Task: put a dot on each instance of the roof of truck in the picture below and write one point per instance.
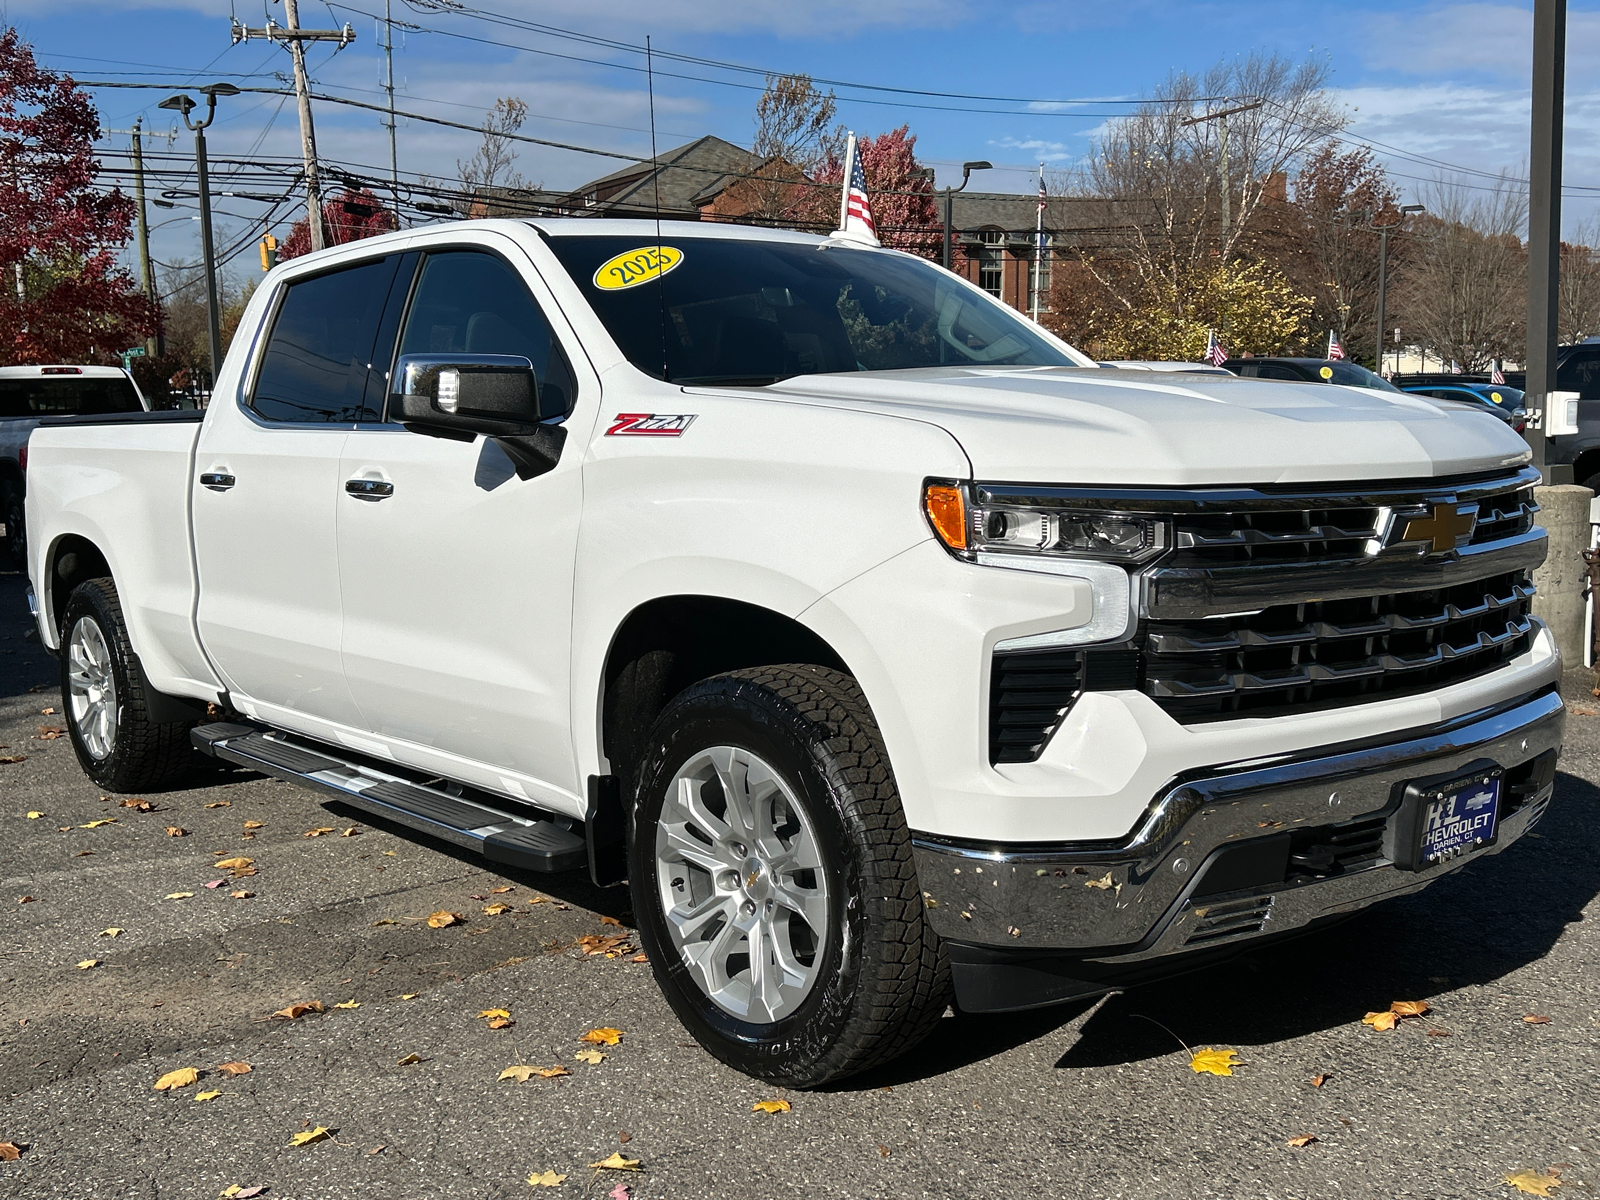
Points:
(609, 227)
(33, 372)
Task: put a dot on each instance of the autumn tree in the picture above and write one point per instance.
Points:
(1580, 286)
(63, 297)
(903, 207)
(795, 136)
(353, 214)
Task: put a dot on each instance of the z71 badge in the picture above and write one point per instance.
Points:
(650, 424)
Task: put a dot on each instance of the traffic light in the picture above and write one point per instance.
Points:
(269, 252)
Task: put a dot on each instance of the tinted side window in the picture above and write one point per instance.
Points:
(472, 302)
(51, 395)
(1273, 371)
(317, 360)
(1581, 373)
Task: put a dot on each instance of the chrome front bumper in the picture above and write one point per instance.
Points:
(1148, 895)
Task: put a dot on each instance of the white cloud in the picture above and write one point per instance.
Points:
(1460, 40)
(1037, 148)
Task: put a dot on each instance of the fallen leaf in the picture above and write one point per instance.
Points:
(611, 921)
(1103, 883)
(87, 963)
(242, 1193)
(318, 832)
(883, 1151)
(255, 824)
(1409, 1008)
(27, 899)
(770, 1106)
(410, 995)
(49, 733)
(1214, 1062)
(100, 822)
(602, 1036)
(182, 1077)
(349, 1004)
(443, 919)
(34, 815)
(235, 1068)
(136, 804)
(621, 1192)
(640, 958)
(491, 1013)
(114, 931)
(242, 895)
(179, 895)
(546, 1179)
(616, 1163)
(47, 712)
(494, 910)
(377, 1149)
(390, 854)
(522, 1074)
(500, 891)
(592, 1057)
(1438, 1033)
(299, 1009)
(624, 1137)
(306, 1137)
(177, 831)
(1535, 1019)
(8, 759)
(540, 900)
(1318, 1080)
(1380, 1021)
(220, 804)
(83, 854)
(233, 864)
(501, 1023)
(202, 1097)
(1303, 1140)
(213, 884)
(11, 1151)
(1533, 1183)
(409, 1060)
(353, 831)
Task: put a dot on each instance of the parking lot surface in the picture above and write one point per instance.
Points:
(402, 1071)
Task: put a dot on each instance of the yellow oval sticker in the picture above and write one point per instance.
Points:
(1326, 372)
(633, 267)
(1497, 397)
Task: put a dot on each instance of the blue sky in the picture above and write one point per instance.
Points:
(1446, 82)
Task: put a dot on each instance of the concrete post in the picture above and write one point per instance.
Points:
(1564, 513)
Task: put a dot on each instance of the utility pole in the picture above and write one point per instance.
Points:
(147, 275)
(1227, 178)
(296, 38)
(1383, 270)
(183, 104)
(1544, 218)
(388, 86)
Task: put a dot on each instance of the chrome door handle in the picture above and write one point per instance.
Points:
(369, 489)
(217, 481)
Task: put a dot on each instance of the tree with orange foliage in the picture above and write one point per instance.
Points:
(348, 217)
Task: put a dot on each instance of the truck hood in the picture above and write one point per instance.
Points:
(1093, 425)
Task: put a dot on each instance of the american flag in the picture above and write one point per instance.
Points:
(1041, 190)
(857, 206)
(1335, 349)
(1496, 376)
(1215, 354)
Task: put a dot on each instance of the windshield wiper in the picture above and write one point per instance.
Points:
(731, 380)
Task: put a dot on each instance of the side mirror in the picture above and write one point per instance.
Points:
(461, 395)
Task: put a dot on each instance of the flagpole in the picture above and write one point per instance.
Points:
(844, 190)
(1038, 248)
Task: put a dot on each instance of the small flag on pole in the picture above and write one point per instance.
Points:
(1496, 375)
(1335, 348)
(855, 210)
(1215, 354)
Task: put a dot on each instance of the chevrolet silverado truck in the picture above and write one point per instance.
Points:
(894, 653)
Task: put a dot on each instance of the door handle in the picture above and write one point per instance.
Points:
(369, 489)
(217, 481)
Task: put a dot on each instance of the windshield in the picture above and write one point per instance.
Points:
(1354, 375)
(752, 312)
(48, 395)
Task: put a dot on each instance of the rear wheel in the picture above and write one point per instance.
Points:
(104, 697)
(772, 877)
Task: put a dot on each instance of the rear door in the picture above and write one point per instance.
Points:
(264, 498)
(457, 574)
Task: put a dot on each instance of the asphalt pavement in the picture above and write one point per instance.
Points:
(1087, 1100)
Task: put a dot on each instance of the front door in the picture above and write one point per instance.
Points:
(456, 574)
(267, 483)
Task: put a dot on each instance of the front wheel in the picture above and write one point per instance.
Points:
(772, 876)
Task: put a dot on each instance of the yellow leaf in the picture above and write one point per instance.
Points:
(592, 1057)
(501, 1023)
(1214, 1062)
(177, 831)
(409, 1060)
(11, 1151)
(603, 1036)
(1380, 1020)
(546, 1179)
(87, 963)
(35, 815)
(410, 995)
(523, 1073)
(182, 1077)
(255, 824)
(234, 864)
(1532, 1183)
(114, 931)
(220, 804)
(390, 854)
(500, 891)
(353, 831)
(349, 1004)
(179, 895)
(1104, 884)
(306, 1137)
(318, 832)
(241, 895)
(770, 1106)
(444, 918)
(202, 1097)
(1303, 1140)
(1409, 1008)
(494, 1012)
(97, 824)
(235, 1068)
(494, 910)
(616, 1163)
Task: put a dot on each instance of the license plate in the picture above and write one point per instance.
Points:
(1460, 820)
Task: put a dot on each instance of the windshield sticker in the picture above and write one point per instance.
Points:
(633, 267)
(650, 424)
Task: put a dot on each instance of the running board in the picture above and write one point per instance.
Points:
(451, 811)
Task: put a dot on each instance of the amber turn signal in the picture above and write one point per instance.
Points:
(947, 513)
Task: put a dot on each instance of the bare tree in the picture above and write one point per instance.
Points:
(795, 134)
(1580, 285)
(1464, 292)
(490, 171)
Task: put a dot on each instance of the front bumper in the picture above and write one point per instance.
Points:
(1224, 856)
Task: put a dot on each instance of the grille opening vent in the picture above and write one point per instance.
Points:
(1029, 693)
(1229, 918)
(1335, 849)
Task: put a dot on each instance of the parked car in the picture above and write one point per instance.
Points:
(1309, 370)
(30, 393)
(1503, 402)
(892, 651)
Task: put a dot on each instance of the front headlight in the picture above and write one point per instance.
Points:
(972, 520)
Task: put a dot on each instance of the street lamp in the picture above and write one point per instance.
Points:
(183, 104)
(1383, 269)
(949, 200)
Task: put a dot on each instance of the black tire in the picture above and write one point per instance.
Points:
(881, 978)
(141, 755)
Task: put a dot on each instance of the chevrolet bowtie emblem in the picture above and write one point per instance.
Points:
(1447, 525)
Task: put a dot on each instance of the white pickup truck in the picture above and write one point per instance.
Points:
(895, 653)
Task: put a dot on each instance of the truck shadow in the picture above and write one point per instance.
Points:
(1474, 927)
